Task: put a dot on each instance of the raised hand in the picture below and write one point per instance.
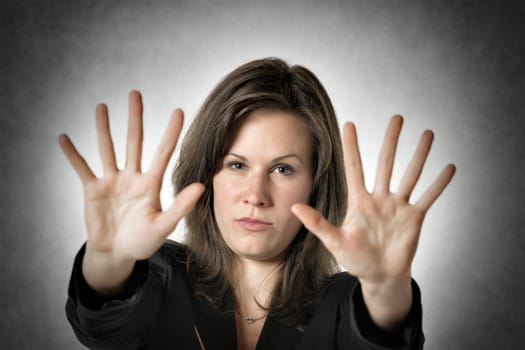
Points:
(124, 218)
(379, 235)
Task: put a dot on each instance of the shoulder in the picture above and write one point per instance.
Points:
(170, 250)
(340, 283)
(338, 290)
(170, 259)
(175, 249)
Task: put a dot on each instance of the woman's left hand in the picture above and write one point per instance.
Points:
(378, 238)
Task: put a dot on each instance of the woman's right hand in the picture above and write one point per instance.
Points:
(124, 218)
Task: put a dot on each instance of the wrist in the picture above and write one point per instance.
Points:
(388, 301)
(383, 288)
(104, 272)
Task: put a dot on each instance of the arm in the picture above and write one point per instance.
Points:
(124, 320)
(378, 238)
(366, 334)
(124, 218)
(154, 310)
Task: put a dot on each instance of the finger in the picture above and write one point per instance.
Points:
(105, 143)
(435, 190)
(135, 132)
(415, 167)
(318, 225)
(352, 158)
(387, 155)
(75, 159)
(183, 204)
(167, 144)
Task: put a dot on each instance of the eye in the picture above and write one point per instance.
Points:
(283, 169)
(235, 165)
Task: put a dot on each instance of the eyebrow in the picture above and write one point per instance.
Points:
(278, 159)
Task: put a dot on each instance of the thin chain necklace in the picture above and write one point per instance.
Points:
(251, 320)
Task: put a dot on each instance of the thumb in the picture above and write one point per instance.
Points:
(318, 225)
(181, 206)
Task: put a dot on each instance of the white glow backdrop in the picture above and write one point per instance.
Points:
(453, 68)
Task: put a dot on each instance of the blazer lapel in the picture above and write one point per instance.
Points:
(276, 335)
(216, 329)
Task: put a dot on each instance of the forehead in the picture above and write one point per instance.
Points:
(272, 132)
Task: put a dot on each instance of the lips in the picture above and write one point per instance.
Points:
(254, 224)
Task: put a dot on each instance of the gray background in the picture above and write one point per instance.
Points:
(452, 66)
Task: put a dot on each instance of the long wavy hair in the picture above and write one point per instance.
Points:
(262, 84)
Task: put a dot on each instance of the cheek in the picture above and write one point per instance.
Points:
(291, 196)
(223, 194)
(217, 197)
(298, 193)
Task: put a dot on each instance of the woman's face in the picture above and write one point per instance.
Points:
(267, 169)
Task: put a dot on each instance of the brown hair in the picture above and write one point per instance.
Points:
(266, 83)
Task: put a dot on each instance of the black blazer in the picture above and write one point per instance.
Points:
(157, 311)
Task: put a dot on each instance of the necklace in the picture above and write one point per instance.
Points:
(251, 320)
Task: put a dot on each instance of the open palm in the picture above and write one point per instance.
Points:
(378, 238)
(123, 213)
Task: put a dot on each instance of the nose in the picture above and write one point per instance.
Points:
(256, 193)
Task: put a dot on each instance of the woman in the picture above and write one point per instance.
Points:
(272, 207)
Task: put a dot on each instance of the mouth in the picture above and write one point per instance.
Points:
(254, 224)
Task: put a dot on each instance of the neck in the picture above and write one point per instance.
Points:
(256, 282)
